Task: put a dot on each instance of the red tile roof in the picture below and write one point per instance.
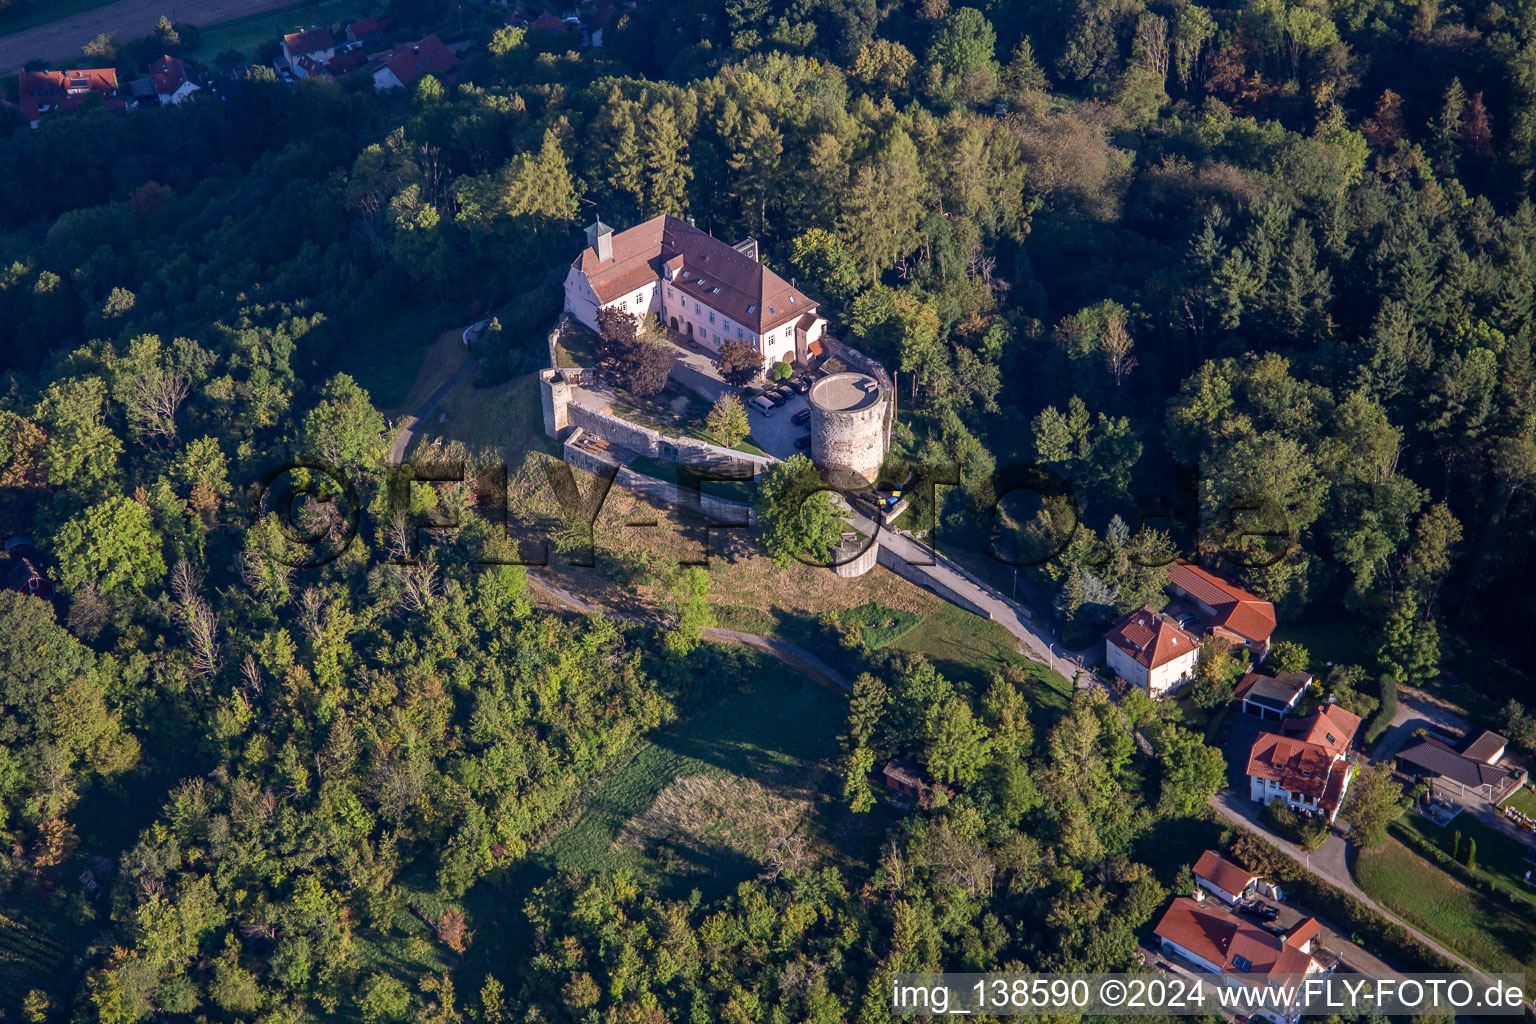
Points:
(1219, 871)
(427, 57)
(311, 40)
(1151, 638)
(169, 74)
(1220, 937)
(1307, 755)
(703, 267)
(1236, 610)
(41, 91)
(365, 27)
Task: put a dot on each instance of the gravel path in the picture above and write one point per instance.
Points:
(131, 19)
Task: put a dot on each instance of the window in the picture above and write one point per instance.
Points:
(1242, 963)
(791, 300)
(711, 317)
(696, 309)
(738, 334)
(669, 291)
(772, 311)
(751, 309)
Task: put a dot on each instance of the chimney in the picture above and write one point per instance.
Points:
(600, 237)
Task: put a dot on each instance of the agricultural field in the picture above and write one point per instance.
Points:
(42, 13)
(1490, 936)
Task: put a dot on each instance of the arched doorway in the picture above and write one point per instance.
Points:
(674, 323)
(690, 328)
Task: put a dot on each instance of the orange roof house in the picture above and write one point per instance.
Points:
(1224, 879)
(39, 92)
(1227, 608)
(697, 284)
(410, 61)
(1307, 763)
(1148, 649)
(1214, 939)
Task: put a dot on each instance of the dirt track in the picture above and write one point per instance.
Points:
(61, 40)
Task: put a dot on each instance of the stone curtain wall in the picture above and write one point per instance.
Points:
(614, 430)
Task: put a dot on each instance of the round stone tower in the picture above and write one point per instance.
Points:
(848, 428)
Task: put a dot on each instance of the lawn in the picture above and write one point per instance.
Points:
(42, 13)
(506, 418)
(687, 809)
(249, 33)
(1329, 639)
(1524, 801)
(1499, 857)
(879, 625)
(968, 648)
(1490, 936)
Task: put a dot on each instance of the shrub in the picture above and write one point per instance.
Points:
(1385, 712)
(782, 371)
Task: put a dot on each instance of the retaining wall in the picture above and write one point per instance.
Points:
(919, 575)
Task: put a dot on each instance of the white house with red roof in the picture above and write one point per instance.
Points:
(697, 285)
(1224, 879)
(1148, 649)
(315, 45)
(1213, 939)
(409, 62)
(172, 85)
(1226, 609)
(1307, 764)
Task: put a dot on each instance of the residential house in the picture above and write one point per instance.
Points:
(1307, 763)
(700, 287)
(544, 21)
(1225, 609)
(169, 75)
(907, 780)
(598, 22)
(1216, 940)
(22, 569)
(41, 92)
(315, 45)
(368, 30)
(1150, 650)
(1271, 698)
(1223, 879)
(410, 61)
(1472, 768)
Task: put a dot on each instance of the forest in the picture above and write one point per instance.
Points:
(1265, 255)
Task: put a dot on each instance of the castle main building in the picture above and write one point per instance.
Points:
(697, 285)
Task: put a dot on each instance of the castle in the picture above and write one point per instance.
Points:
(697, 285)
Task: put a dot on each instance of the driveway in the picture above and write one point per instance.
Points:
(1416, 710)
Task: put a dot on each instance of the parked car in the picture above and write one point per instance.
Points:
(802, 442)
(801, 418)
(1262, 911)
(801, 385)
(762, 404)
(776, 397)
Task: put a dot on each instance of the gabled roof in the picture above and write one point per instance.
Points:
(1484, 747)
(169, 74)
(702, 267)
(40, 91)
(1277, 692)
(1435, 757)
(1308, 755)
(363, 27)
(428, 57)
(1151, 638)
(311, 40)
(1219, 871)
(1216, 935)
(1330, 727)
(1236, 610)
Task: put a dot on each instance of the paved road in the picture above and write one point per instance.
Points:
(410, 423)
(1330, 862)
(1013, 617)
(62, 40)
